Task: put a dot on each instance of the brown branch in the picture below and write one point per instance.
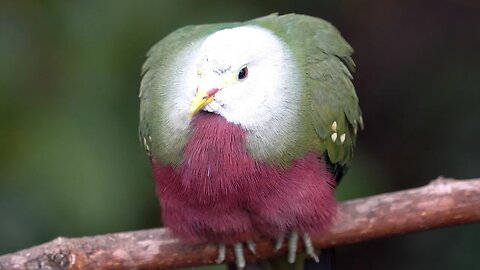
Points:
(444, 202)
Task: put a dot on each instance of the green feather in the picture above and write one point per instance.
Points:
(154, 71)
(328, 95)
(324, 58)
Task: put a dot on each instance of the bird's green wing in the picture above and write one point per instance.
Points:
(159, 67)
(331, 105)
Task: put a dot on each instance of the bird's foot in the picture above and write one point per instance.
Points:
(238, 251)
(293, 243)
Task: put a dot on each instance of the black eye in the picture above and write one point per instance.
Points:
(242, 74)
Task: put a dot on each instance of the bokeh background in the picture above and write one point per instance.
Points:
(71, 164)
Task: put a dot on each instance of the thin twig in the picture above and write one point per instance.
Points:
(444, 202)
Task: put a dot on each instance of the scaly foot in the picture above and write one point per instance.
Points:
(238, 251)
(293, 243)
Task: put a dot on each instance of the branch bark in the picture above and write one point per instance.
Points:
(444, 202)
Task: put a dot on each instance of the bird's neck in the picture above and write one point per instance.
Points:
(215, 156)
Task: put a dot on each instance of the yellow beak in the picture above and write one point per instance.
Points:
(201, 100)
(206, 90)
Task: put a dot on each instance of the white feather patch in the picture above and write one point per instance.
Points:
(266, 103)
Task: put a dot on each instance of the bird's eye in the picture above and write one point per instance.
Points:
(242, 74)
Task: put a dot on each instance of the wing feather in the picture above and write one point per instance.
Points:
(325, 59)
(155, 71)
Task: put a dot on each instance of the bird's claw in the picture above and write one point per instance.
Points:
(221, 253)
(237, 251)
(293, 243)
(279, 243)
(309, 249)
(251, 246)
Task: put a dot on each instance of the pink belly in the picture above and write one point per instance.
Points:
(220, 194)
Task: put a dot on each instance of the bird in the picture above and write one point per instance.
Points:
(248, 127)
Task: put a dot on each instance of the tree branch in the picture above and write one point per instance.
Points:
(444, 202)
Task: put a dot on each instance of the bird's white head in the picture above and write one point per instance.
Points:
(245, 74)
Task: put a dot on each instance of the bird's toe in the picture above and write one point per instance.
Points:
(239, 258)
(293, 246)
(221, 253)
(309, 249)
(237, 251)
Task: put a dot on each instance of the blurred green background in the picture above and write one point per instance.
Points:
(71, 164)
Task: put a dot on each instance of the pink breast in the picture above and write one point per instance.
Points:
(220, 194)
